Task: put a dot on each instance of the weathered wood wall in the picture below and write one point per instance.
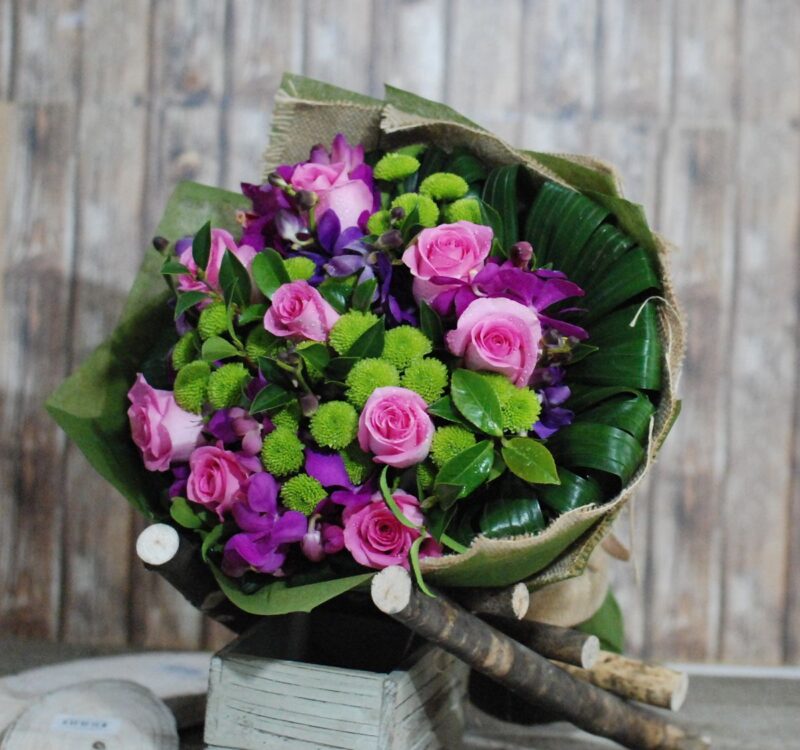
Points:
(105, 104)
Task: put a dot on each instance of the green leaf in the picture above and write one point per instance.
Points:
(498, 467)
(274, 373)
(513, 511)
(627, 355)
(172, 267)
(252, 313)
(583, 396)
(216, 348)
(530, 460)
(559, 224)
(211, 539)
(469, 469)
(338, 368)
(586, 445)
(315, 356)
(433, 160)
(490, 218)
(604, 248)
(445, 409)
(234, 280)
(369, 343)
(201, 245)
(337, 292)
(476, 401)
(188, 300)
(413, 555)
(388, 498)
(430, 323)
(470, 167)
(500, 192)
(270, 397)
(269, 272)
(184, 515)
(362, 296)
(280, 598)
(629, 413)
(607, 624)
(574, 491)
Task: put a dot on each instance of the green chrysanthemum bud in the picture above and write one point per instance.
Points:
(213, 321)
(425, 476)
(520, 410)
(191, 386)
(444, 186)
(289, 417)
(349, 328)
(226, 384)
(464, 209)
(260, 343)
(357, 464)
(428, 377)
(302, 493)
(299, 268)
(404, 345)
(428, 210)
(282, 452)
(448, 442)
(393, 167)
(366, 376)
(334, 424)
(185, 351)
(379, 222)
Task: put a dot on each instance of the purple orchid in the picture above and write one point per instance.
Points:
(552, 393)
(266, 532)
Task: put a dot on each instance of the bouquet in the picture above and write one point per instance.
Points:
(411, 345)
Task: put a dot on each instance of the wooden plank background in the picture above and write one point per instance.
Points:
(105, 104)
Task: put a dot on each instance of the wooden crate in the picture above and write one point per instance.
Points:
(333, 682)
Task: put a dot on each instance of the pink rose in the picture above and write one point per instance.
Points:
(455, 251)
(340, 185)
(299, 311)
(162, 431)
(217, 479)
(499, 335)
(220, 241)
(395, 427)
(376, 539)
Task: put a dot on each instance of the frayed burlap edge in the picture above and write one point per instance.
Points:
(299, 124)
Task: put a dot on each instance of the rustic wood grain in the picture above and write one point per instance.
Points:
(698, 104)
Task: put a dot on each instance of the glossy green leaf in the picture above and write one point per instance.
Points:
(586, 445)
(184, 515)
(274, 373)
(363, 293)
(500, 192)
(188, 300)
(604, 248)
(629, 413)
(491, 218)
(468, 166)
(469, 469)
(607, 624)
(211, 539)
(585, 396)
(430, 323)
(433, 160)
(574, 491)
(270, 397)
(338, 368)
(252, 313)
(444, 408)
(628, 355)
(337, 292)
(514, 511)
(369, 343)
(201, 245)
(559, 224)
(234, 280)
(173, 267)
(476, 401)
(530, 460)
(316, 356)
(269, 272)
(413, 556)
(216, 348)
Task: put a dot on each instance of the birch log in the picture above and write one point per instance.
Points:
(524, 672)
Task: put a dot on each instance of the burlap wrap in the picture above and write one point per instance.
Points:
(307, 113)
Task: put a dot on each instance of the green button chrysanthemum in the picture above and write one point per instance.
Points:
(334, 424)
(379, 223)
(185, 350)
(428, 210)
(444, 186)
(299, 268)
(282, 452)
(213, 320)
(347, 330)
(302, 493)
(464, 209)
(428, 377)
(357, 464)
(366, 376)
(448, 442)
(404, 345)
(260, 343)
(226, 384)
(191, 386)
(393, 167)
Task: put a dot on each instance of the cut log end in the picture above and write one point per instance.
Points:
(157, 544)
(391, 590)
(590, 652)
(520, 600)
(679, 694)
